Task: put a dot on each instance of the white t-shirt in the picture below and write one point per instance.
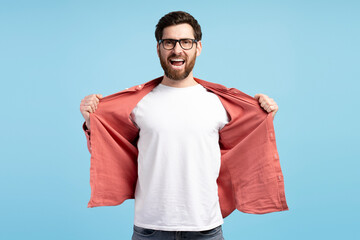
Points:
(179, 159)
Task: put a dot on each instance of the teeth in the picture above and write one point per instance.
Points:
(177, 60)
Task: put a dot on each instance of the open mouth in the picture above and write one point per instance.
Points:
(177, 62)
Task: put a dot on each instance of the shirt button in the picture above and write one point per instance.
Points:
(139, 87)
(272, 136)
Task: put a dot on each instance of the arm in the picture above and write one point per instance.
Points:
(89, 105)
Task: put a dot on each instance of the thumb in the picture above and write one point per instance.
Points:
(257, 96)
(99, 96)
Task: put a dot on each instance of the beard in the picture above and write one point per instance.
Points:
(174, 74)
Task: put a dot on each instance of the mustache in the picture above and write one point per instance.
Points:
(177, 56)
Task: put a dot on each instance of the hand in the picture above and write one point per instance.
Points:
(89, 105)
(268, 104)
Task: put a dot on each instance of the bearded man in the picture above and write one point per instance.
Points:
(188, 151)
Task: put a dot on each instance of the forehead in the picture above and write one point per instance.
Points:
(183, 30)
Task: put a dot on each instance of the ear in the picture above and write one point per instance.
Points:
(158, 49)
(198, 48)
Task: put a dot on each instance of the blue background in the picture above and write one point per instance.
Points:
(304, 54)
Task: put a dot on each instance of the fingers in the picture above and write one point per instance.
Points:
(267, 103)
(90, 103)
(257, 96)
(87, 109)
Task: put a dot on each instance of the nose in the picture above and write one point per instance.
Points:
(177, 48)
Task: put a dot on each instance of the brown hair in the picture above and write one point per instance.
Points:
(175, 18)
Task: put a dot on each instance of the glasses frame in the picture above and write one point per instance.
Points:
(175, 41)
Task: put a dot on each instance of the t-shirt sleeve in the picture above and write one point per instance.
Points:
(133, 117)
(224, 119)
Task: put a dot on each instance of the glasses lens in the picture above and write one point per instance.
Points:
(168, 44)
(186, 43)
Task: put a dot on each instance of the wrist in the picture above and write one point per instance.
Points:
(87, 124)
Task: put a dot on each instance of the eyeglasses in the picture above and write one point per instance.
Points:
(185, 44)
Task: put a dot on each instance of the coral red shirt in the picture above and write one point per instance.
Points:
(250, 178)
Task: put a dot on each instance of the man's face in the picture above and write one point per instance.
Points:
(169, 59)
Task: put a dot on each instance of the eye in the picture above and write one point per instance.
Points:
(186, 43)
(168, 42)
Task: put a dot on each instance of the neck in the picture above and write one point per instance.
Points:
(186, 82)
